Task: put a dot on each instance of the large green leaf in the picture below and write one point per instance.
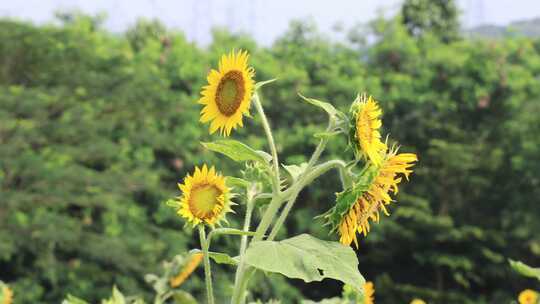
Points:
(308, 258)
(237, 151)
(525, 269)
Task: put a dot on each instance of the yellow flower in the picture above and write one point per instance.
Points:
(192, 263)
(227, 97)
(418, 301)
(528, 296)
(367, 122)
(382, 181)
(7, 295)
(205, 197)
(369, 293)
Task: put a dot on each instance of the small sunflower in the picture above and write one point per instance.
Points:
(7, 295)
(369, 293)
(192, 263)
(418, 301)
(227, 97)
(356, 206)
(205, 197)
(528, 296)
(365, 134)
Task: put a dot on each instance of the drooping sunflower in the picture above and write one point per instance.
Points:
(365, 134)
(369, 293)
(361, 203)
(205, 197)
(193, 261)
(528, 296)
(227, 97)
(6, 295)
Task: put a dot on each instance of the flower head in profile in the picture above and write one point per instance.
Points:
(227, 97)
(369, 293)
(6, 295)
(189, 266)
(357, 206)
(365, 135)
(205, 197)
(528, 296)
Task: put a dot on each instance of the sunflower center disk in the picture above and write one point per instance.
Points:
(230, 93)
(203, 200)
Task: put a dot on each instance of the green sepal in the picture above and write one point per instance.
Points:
(260, 84)
(346, 199)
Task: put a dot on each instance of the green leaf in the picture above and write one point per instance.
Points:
(237, 151)
(236, 182)
(218, 257)
(260, 84)
(329, 108)
(73, 300)
(308, 258)
(525, 269)
(182, 297)
(295, 170)
(232, 231)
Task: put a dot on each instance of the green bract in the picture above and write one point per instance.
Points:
(346, 199)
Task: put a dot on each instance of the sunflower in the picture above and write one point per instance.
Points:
(205, 197)
(365, 134)
(528, 296)
(418, 301)
(227, 97)
(356, 206)
(6, 295)
(192, 263)
(369, 293)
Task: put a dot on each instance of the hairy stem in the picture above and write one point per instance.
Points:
(243, 245)
(308, 178)
(270, 138)
(207, 271)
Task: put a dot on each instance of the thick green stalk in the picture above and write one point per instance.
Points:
(243, 245)
(308, 178)
(270, 138)
(206, 260)
(240, 278)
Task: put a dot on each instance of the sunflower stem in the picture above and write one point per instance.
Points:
(308, 178)
(270, 138)
(207, 271)
(243, 245)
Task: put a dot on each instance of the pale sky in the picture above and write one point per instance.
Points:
(265, 20)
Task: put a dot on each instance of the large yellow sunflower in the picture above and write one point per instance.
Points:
(227, 97)
(205, 197)
(369, 293)
(376, 195)
(193, 261)
(418, 301)
(528, 296)
(367, 122)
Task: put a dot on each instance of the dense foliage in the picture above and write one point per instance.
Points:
(96, 129)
